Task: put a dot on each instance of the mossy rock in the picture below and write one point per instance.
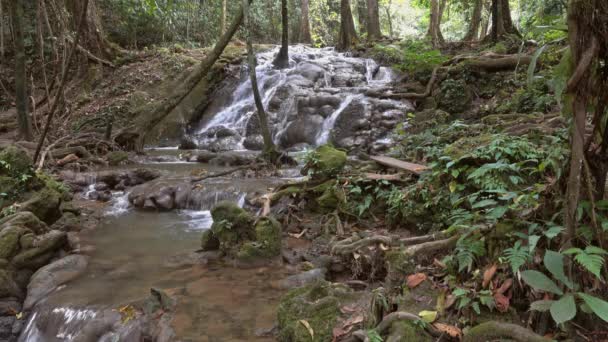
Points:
(467, 144)
(325, 162)
(45, 204)
(231, 226)
(503, 120)
(8, 189)
(267, 241)
(398, 265)
(45, 249)
(454, 96)
(8, 287)
(407, 331)
(51, 183)
(209, 242)
(318, 304)
(117, 157)
(426, 119)
(329, 197)
(25, 219)
(15, 161)
(10, 240)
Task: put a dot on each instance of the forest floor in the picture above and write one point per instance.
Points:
(374, 248)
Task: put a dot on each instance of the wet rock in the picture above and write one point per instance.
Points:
(48, 278)
(209, 242)
(310, 71)
(190, 259)
(267, 241)
(8, 286)
(69, 222)
(115, 158)
(44, 249)
(45, 204)
(302, 130)
(233, 159)
(254, 142)
(187, 143)
(454, 96)
(204, 156)
(112, 178)
(10, 240)
(303, 279)
(9, 306)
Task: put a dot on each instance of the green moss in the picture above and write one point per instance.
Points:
(15, 162)
(407, 331)
(117, 157)
(9, 241)
(465, 145)
(268, 234)
(427, 119)
(53, 184)
(318, 304)
(45, 204)
(329, 196)
(454, 96)
(325, 162)
(231, 226)
(209, 242)
(398, 264)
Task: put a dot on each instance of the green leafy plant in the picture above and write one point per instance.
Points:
(564, 308)
(466, 298)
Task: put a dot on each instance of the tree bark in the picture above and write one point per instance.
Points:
(362, 16)
(93, 38)
(282, 59)
(474, 24)
(502, 24)
(348, 35)
(1, 32)
(373, 20)
(269, 148)
(25, 127)
(305, 36)
(389, 17)
(184, 88)
(223, 17)
(434, 31)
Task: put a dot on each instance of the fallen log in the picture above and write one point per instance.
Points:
(416, 169)
(508, 63)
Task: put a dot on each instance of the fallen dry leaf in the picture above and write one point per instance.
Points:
(347, 309)
(308, 327)
(353, 320)
(502, 302)
(449, 301)
(505, 286)
(414, 280)
(488, 274)
(450, 330)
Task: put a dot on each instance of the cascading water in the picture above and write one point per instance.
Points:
(305, 103)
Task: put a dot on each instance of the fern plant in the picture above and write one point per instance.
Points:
(591, 258)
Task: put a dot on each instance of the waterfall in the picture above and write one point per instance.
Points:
(304, 102)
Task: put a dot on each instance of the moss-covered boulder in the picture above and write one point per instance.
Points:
(15, 161)
(267, 241)
(454, 96)
(45, 204)
(328, 195)
(24, 219)
(407, 331)
(10, 240)
(117, 157)
(426, 119)
(325, 162)
(318, 305)
(209, 242)
(8, 287)
(45, 247)
(231, 226)
(467, 144)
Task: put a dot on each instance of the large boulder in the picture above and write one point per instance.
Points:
(45, 204)
(41, 250)
(267, 241)
(15, 161)
(8, 286)
(48, 278)
(302, 130)
(325, 162)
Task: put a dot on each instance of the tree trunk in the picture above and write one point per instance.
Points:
(25, 127)
(348, 35)
(362, 16)
(305, 36)
(502, 24)
(282, 59)
(185, 87)
(389, 18)
(93, 38)
(269, 148)
(473, 31)
(373, 20)
(434, 31)
(223, 17)
(1, 32)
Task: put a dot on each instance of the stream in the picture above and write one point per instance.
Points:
(320, 98)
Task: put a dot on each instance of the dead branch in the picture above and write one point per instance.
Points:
(431, 246)
(496, 330)
(352, 244)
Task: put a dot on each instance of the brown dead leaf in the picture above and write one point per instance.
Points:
(414, 280)
(502, 302)
(352, 321)
(449, 301)
(488, 274)
(450, 330)
(505, 286)
(348, 309)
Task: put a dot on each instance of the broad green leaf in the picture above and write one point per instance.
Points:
(484, 203)
(563, 309)
(541, 305)
(532, 242)
(598, 306)
(497, 212)
(532, 65)
(595, 250)
(540, 282)
(554, 262)
(553, 232)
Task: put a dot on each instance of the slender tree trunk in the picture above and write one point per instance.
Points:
(434, 31)
(348, 35)
(269, 148)
(185, 87)
(1, 32)
(305, 36)
(502, 24)
(473, 31)
(282, 59)
(389, 17)
(373, 20)
(507, 21)
(362, 16)
(25, 127)
(495, 21)
(223, 17)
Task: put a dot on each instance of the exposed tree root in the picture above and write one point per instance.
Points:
(417, 244)
(507, 63)
(382, 94)
(352, 244)
(389, 319)
(493, 330)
